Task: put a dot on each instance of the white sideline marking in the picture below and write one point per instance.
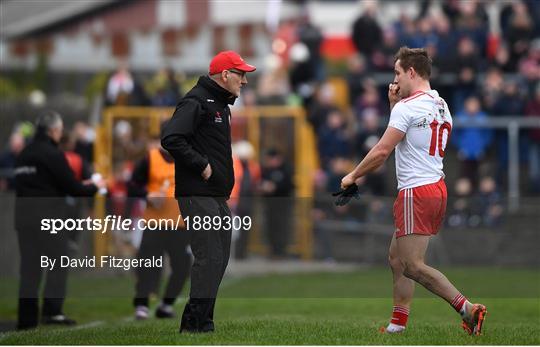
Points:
(87, 325)
(6, 334)
(180, 301)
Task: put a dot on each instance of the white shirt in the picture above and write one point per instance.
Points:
(425, 119)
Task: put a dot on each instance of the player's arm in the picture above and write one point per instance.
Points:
(376, 156)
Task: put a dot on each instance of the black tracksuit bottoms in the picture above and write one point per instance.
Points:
(34, 243)
(210, 244)
(154, 243)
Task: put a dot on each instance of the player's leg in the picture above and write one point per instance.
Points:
(427, 208)
(412, 249)
(147, 278)
(403, 291)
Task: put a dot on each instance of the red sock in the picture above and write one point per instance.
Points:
(400, 315)
(458, 302)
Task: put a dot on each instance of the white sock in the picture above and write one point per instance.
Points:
(166, 308)
(464, 312)
(394, 328)
(141, 312)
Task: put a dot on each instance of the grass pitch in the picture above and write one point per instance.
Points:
(303, 309)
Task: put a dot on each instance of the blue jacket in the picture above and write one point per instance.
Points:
(472, 142)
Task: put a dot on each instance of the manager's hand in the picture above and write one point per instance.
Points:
(207, 172)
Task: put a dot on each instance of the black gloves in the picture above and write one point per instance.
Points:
(345, 195)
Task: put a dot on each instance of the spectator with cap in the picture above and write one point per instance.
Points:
(42, 180)
(198, 136)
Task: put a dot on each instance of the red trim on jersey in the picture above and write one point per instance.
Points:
(415, 95)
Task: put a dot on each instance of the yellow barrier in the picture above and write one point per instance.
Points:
(305, 157)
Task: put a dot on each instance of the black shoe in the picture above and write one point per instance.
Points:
(26, 326)
(165, 311)
(59, 319)
(208, 327)
(204, 330)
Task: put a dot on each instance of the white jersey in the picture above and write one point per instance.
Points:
(426, 121)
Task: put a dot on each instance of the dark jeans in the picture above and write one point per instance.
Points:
(244, 209)
(211, 250)
(33, 243)
(277, 224)
(155, 243)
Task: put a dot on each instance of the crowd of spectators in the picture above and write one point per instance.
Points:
(481, 72)
(124, 89)
(485, 66)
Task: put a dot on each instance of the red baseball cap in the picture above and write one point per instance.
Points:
(229, 60)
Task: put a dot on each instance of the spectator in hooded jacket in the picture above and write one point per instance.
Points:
(472, 143)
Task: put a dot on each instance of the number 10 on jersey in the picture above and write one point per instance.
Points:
(437, 137)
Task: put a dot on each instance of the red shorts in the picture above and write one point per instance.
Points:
(420, 210)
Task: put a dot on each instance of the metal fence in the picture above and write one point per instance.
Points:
(513, 125)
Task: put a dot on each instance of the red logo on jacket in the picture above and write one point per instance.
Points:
(218, 118)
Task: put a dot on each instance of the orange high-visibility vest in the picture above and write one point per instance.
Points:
(160, 174)
(254, 169)
(161, 180)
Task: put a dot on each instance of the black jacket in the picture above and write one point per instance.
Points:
(42, 179)
(199, 133)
